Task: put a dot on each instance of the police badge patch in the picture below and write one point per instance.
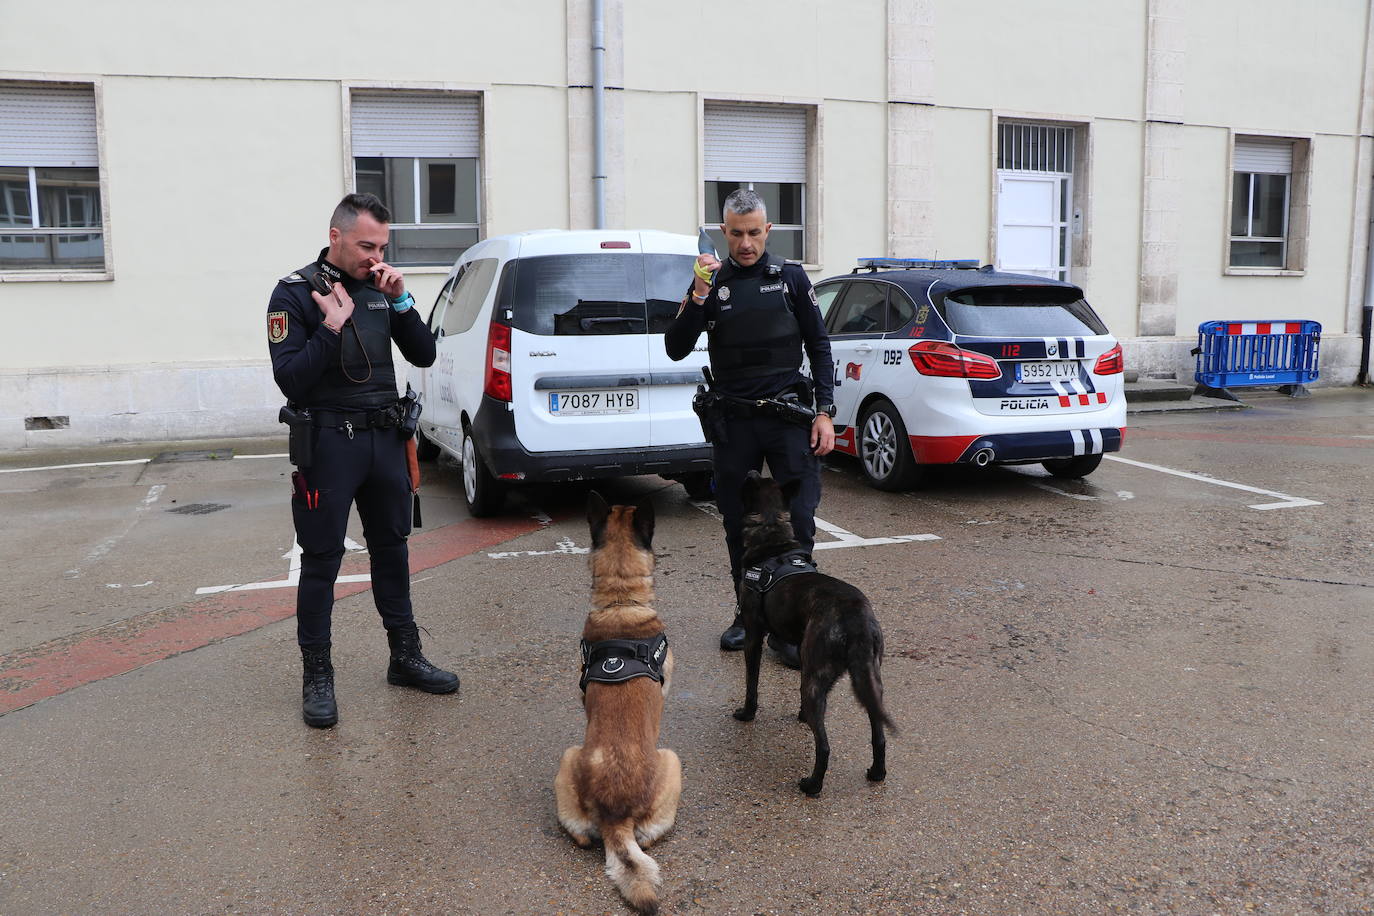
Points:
(276, 327)
(723, 294)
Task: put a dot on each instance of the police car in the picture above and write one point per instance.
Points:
(944, 362)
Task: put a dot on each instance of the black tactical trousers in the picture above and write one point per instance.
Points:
(788, 451)
(369, 469)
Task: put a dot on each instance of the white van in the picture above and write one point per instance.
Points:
(551, 365)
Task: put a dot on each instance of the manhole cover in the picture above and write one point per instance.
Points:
(198, 508)
(206, 454)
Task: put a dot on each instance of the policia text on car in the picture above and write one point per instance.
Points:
(330, 326)
(759, 313)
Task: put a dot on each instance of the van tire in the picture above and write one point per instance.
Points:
(482, 492)
(1080, 466)
(424, 449)
(884, 449)
(699, 484)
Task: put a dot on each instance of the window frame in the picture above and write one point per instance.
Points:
(482, 188)
(810, 227)
(67, 273)
(1296, 207)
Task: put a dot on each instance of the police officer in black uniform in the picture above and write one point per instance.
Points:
(759, 313)
(330, 326)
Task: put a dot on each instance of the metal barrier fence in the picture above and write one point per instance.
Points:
(1234, 354)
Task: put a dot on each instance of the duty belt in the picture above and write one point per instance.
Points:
(613, 661)
(378, 418)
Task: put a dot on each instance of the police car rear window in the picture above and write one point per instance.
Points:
(1020, 311)
(576, 295)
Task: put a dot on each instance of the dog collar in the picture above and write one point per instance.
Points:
(612, 661)
(770, 572)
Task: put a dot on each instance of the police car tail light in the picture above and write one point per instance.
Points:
(1110, 363)
(496, 383)
(936, 357)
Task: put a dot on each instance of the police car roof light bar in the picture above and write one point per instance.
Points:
(916, 264)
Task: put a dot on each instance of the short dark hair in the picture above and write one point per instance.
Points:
(346, 213)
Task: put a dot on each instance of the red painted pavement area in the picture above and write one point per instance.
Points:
(1246, 438)
(62, 664)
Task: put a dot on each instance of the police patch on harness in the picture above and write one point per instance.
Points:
(276, 327)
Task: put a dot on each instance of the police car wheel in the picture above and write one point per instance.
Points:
(884, 449)
(424, 449)
(1081, 466)
(482, 492)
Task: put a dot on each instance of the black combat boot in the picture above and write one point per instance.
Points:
(732, 640)
(317, 688)
(409, 668)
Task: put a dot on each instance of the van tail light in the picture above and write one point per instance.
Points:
(496, 382)
(936, 357)
(1110, 363)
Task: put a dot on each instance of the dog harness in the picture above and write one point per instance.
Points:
(770, 572)
(612, 661)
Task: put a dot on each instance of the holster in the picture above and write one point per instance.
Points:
(301, 436)
(411, 407)
(710, 410)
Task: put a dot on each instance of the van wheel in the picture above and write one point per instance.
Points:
(482, 492)
(699, 484)
(1081, 466)
(424, 449)
(884, 449)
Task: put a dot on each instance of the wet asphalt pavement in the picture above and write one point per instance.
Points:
(1133, 693)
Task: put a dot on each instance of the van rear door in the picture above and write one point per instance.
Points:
(667, 275)
(579, 348)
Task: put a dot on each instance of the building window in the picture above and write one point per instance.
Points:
(1035, 193)
(50, 208)
(764, 148)
(1261, 202)
(418, 152)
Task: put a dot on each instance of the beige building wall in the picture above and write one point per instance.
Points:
(224, 145)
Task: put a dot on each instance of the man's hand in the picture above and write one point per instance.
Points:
(706, 263)
(336, 308)
(388, 279)
(822, 435)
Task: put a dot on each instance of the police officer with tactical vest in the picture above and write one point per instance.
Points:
(759, 314)
(330, 326)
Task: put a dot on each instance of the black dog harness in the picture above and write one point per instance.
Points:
(773, 570)
(612, 661)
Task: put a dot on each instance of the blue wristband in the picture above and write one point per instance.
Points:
(403, 303)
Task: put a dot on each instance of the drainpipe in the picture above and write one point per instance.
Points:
(599, 112)
(1363, 378)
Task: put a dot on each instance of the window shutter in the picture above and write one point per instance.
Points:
(426, 125)
(755, 143)
(1274, 157)
(48, 126)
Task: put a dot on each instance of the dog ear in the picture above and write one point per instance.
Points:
(790, 491)
(597, 512)
(750, 488)
(644, 522)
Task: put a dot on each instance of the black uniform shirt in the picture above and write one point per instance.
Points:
(682, 334)
(307, 357)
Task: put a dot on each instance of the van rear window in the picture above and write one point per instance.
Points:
(1020, 311)
(572, 295)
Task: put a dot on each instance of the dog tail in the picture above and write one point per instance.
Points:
(630, 868)
(865, 660)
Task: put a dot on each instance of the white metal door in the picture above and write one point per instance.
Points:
(1032, 224)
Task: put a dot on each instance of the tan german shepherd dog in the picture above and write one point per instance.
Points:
(619, 784)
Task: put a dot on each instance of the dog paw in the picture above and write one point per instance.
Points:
(745, 714)
(812, 787)
(875, 774)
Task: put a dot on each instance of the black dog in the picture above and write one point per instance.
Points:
(830, 620)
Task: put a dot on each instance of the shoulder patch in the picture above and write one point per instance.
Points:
(293, 278)
(276, 327)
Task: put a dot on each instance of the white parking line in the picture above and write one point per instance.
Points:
(109, 464)
(842, 537)
(293, 573)
(1287, 502)
(108, 544)
(1049, 489)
